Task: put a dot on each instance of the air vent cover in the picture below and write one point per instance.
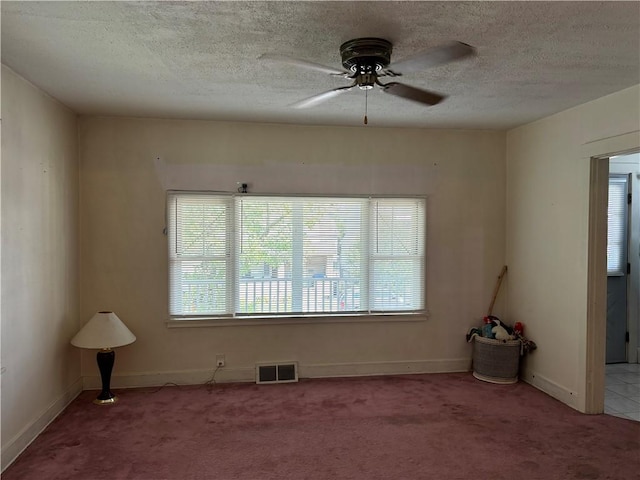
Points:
(277, 372)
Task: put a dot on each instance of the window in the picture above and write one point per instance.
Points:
(617, 225)
(245, 255)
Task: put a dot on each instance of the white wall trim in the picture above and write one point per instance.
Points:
(384, 368)
(298, 320)
(616, 145)
(247, 374)
(22, 440)
(553, 389)
(179, 377)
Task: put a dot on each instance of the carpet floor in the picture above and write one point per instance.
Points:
(436, 426)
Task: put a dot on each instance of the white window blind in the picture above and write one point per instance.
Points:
(617, 225)
(200, 261)
(397, 254)
(271, 255)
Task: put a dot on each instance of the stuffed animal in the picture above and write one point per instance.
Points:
(500, 333)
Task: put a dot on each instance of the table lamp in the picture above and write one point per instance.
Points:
(104, 332)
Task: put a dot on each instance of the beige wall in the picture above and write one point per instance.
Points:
(547, 228)
(41, 370)
(126, 165)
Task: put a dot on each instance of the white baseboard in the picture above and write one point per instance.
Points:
(551, 388)
(247, 374)
(22, 440)
(179, 377)
(384, 368)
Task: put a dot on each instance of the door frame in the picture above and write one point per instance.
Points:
(593, 349)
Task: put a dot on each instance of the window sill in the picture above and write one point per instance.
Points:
(296, 320)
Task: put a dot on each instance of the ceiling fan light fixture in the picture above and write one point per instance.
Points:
(366, 81)
(367, 59)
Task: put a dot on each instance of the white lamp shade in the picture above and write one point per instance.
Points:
(104, 330)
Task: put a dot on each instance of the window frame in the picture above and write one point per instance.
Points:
(233, 278)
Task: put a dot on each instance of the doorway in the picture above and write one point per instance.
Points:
(598, 153)
(623, 260)
(622, 372)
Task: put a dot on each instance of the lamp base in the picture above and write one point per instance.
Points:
(105, 360)
(106, 401)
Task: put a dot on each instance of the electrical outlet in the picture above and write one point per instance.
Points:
(220, 360)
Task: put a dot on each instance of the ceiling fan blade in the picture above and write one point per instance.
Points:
(302, 63)
(432, 58)
(412, 93)
(322, 97)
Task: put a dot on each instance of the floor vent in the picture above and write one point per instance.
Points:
(277, 373)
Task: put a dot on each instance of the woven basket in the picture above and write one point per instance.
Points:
(496, 361)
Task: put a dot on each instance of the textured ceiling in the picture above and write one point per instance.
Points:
(200, 59)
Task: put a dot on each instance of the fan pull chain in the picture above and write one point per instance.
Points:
(366, 97)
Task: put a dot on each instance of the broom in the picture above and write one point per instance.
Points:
(478, 331)
(497, 289)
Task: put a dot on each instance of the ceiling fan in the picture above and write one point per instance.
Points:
(367, 59)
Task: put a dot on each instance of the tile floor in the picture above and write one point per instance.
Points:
(622, 390)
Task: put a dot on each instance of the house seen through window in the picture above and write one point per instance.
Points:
(246, 255)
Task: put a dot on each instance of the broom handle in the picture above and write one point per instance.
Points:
(495, 292)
